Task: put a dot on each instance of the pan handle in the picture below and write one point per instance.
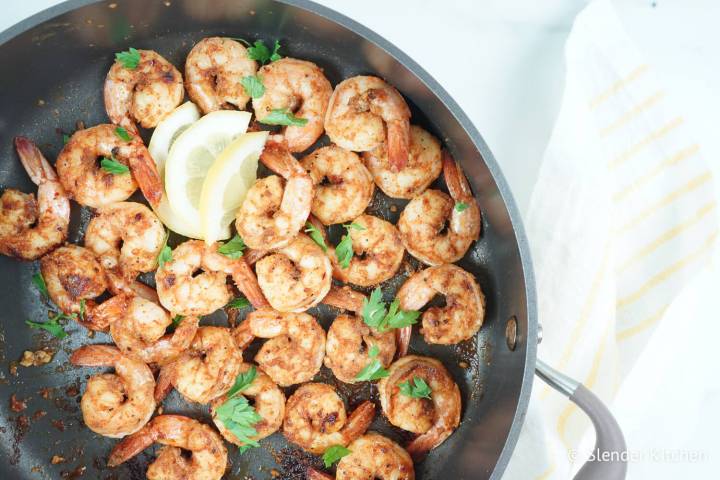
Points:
(609, 461)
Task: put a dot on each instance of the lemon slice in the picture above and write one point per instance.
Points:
(162, 138)
(227, 183)
(191, 156)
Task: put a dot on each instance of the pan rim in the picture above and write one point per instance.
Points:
(464, 121)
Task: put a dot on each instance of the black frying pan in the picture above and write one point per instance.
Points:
(53, 68)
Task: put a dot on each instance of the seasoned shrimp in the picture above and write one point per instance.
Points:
(378, 252)
(296, 277)
(423, 167)
(208, 455)
(426, 216)
(349, 341)
(344, 298)
(214, 69)
(50, 215)
(362, 109)
(433, 419)
(207, 370)
(464, 309)
(127, 238)
(296, 346)
(90, 185)
(301, 88)
(115, 405)
(349, 187)
(138, 330)
(315, 418)
(274, 210)
(72, 274)
(269, 403)
(144, 94)
(371, 456)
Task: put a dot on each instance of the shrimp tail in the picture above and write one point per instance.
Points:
(247, 283)
(95, 356)
(164, 382)
(101, 316)
(402, 340)
(455, 179)
(313, 474)
(359, 420)
(398, 143)
(419, 447)
(278, 158)
(37, 167)
(131, 445)
(147, 177)
(252, 255)
(344, 298)
(242, 335)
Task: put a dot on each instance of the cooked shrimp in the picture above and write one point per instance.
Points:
(464, 309)
(349, 341)
(349, 187)
(214, 69)
(72, 274)
(301, 88)
(378, 252)
(144, 94)
(269, 403)
(296, 346)
(433, 419)
(139, 330)
(90, 185)
(423, 167)
(127, 238)
(274, 210)
(371, 456)
(50, 215)
(344, 298)
(425, 217)
(115, 405)
(208, 456)
(208, 369)
(296, 277)
(315, 418)
(362, 109)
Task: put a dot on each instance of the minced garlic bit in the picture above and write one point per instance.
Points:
(35, 359)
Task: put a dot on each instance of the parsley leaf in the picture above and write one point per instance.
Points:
(176, 320)
(242, 381)
(239, 416)
(374, 310)
(344, 251)
(375, 313)
(260, 52)
(461, 206)
(397, 318)
(66, 138)
(283, 116)
(420, 389)
(165, 254)
(316, 235)
(123, 134)
(111, 165)
(239, 302)
(129, 58)
(354, 226)
(39, 283)
(253, 86)
(52, 326)
(333, 454)
(275, 56)
(234, 248)
(373, 370)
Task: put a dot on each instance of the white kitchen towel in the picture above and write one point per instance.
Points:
(622, 215)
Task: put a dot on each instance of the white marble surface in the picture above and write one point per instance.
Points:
(502, 60)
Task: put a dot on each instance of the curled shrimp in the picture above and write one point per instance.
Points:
(315, 418)
(127, 238)
(208, 455)
(433, 419)
(269, 403)
(344, 298)
(362, 109)
(301, 88)
(426, 216)
(349, 187)
(422, 168)
(296, 346)
(30, 229)
(295, 277)
(115, 405)
(371, 456)
(275, 209)
(464, 310)
(214, 69)
(349, 341)
(205, 371)
(144, 94)
(138, 330)
(90, 185)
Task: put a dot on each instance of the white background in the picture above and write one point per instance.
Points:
(502, 60)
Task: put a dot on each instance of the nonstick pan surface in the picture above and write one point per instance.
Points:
(53, 68)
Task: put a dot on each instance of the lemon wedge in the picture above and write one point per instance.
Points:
(191, 156)
(227, 182)
(162, 138)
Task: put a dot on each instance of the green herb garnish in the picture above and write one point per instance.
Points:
(344, 251)
(66, 138)
(53, 325)
(130, 58)
(234, 248)
(239, 302)
(111, 165)
(283, 116)
(123, 134)
(239, 416)
(419, 389)
(242, 381)
(260, 52)
(176, 320)
(39, 283)
(253, 86)
(373, 370)
(375, 313)
(333, 454)
(461, 206)
(165, 254)
(316, 235)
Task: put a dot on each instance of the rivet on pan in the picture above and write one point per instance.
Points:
(511, 333)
